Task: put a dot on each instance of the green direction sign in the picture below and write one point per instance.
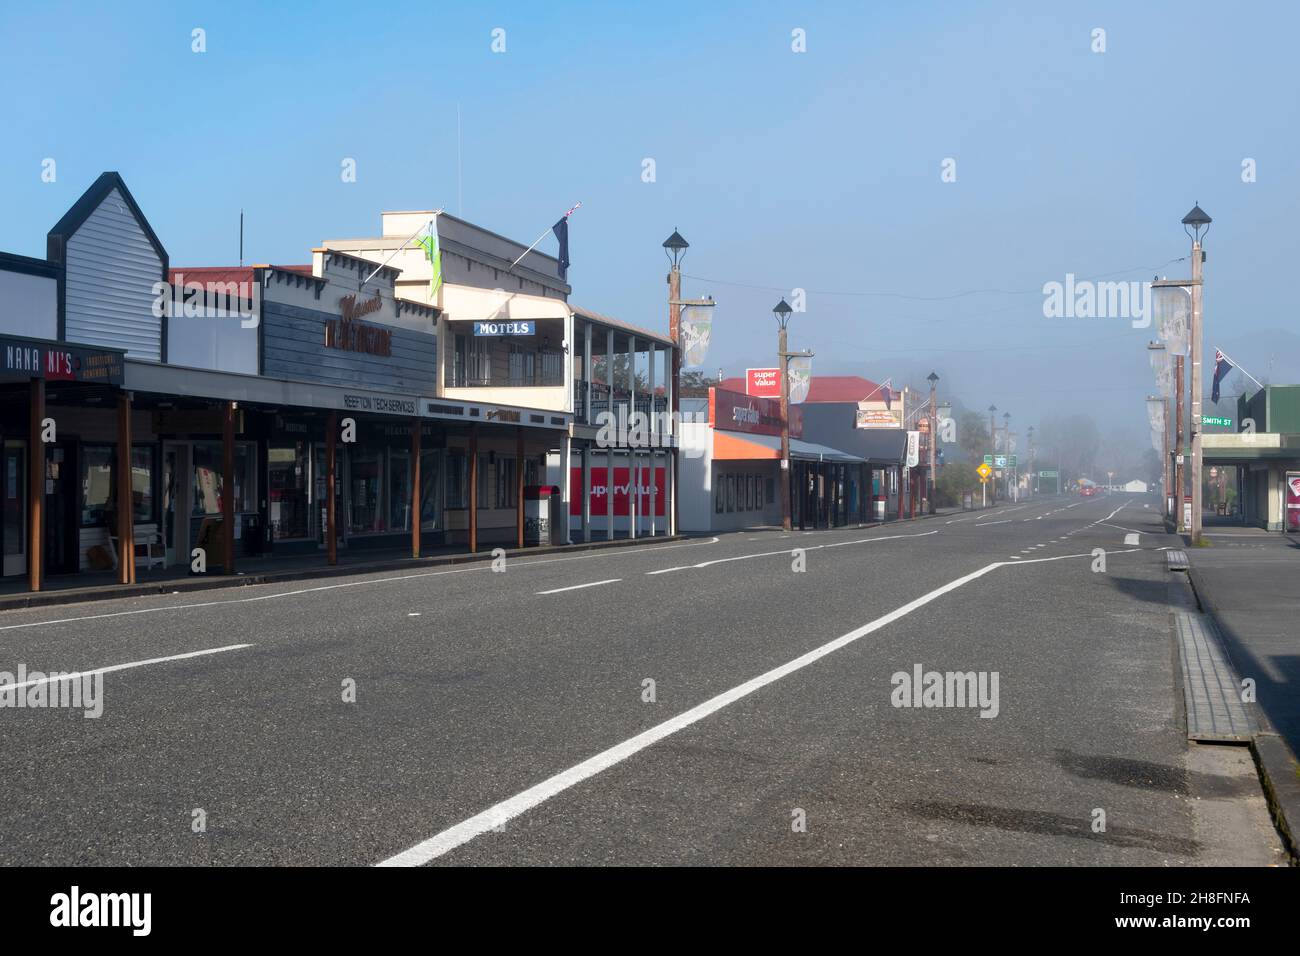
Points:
(999, 461)
(1048, 474)
(988, 460)
(1011, 461)
(1212, 420)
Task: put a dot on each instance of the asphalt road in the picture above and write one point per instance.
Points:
(506, 718)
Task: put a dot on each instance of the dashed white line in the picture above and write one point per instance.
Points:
(579, 587)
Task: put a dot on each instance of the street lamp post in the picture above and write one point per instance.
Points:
(1033, 474)
(993, 441)
(1006, 447)
(782, 313)
(1196, 223)
(675, 248)
(933, 379)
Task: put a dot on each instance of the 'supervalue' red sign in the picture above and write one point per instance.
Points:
(622, 491)
(734, 412)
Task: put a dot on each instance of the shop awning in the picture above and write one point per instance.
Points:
(734, 446)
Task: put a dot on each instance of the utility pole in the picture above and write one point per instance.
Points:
(782, 312)
(993, 440)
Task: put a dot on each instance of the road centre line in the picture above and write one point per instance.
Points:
(578, 587)
(790, 551)
(76, 675)
(485, 566)
(500, 813)
(991, 523)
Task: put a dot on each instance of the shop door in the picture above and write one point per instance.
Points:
(176, 502)
(13, 513)
(61, 514)
(319, 473)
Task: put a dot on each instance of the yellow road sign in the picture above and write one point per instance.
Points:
(984, 470)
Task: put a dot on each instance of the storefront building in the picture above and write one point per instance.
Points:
(731, 465)
(203, 416)
(1266, 459)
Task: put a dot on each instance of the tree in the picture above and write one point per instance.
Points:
(955, 478)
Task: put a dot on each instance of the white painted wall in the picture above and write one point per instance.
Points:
(109, 289)
(29, 305)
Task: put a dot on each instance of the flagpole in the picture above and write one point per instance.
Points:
(543, 236)
(427, 225)
(1238, 367)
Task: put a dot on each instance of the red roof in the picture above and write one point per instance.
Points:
(825, 388)
(226, 273)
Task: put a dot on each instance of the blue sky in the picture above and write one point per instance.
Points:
(818, 170)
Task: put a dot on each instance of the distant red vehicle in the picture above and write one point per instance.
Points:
(1087, 491)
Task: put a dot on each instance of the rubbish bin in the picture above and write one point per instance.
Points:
(559, 520)
(537, 515)
(879, 507)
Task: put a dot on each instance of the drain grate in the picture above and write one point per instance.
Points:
(1177, 560)
(1211, 688)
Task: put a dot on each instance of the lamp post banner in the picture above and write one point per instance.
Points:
(800, 371)
(696, 328)
(1173, 316)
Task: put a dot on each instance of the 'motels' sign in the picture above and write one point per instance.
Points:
(505, 328)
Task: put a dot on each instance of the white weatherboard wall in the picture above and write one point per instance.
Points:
(28, 305)
(109, 290)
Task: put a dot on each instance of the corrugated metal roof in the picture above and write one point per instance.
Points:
(620, 324)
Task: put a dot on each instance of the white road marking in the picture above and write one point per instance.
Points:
(500, 813)
(1130, 539)
(506, 810)
(515, 563)
(579, 587)
(988, 524)
(121, 667)
(773, 554)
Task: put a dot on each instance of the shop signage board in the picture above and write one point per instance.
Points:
(879, 417)
(518, 327)
(23, 358)
(734, 412)
(388, 404)
(913, 449)
(763, 382)
(1292, 516)
(622, 491)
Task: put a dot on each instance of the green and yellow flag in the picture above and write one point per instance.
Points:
(429, 242)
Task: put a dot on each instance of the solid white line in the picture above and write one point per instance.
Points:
(506, 810)
(514, 563)
(121, 667)
(579, 587)
(988, 524)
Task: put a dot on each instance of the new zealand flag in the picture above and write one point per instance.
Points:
(1221, 369)
(561, 230)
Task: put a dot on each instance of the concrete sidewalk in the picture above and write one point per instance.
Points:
(1249, 580)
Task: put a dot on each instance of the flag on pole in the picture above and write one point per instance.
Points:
(432, 252)
(1221, 369)
(561, 230)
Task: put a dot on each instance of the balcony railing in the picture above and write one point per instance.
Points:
(540, 378)
(600, 403)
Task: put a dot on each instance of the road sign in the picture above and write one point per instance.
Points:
(984, 471)
(1048, 474)
(1215, 420)
(988, 459)
(1011, 461)
(999, 461)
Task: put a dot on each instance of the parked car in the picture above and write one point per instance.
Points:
(1087, 491)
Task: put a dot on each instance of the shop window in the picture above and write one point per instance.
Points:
(430, 505)
(366, 477)
(731, 493)
(484, 482)
(208, 481)
(144, 464)
(758, 491)
(97, 485)
(399, 491)
(289, 501)
(719, 494)
(506, 482)
(457, 480)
